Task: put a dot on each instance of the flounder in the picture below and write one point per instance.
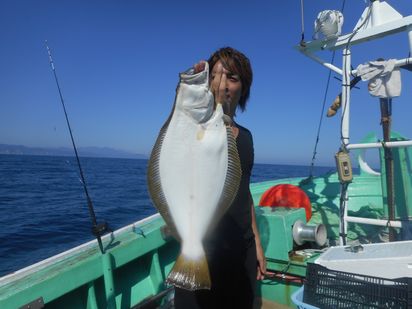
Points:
(193, 175)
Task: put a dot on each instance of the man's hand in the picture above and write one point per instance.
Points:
(200, 66)
(218, 83)
(261, 267)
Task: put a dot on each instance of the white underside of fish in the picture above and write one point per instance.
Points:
(193, 165)
(193, 176)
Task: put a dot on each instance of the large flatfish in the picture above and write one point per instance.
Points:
(193, 175)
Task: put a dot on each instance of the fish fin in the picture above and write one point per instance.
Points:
(154, 184)
(234, 169)
(190, 274)
(233, 178)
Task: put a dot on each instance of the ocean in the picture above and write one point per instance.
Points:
(43, 209)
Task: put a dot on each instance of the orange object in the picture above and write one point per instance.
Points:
(286, 195)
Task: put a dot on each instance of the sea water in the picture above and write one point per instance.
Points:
(43, 209)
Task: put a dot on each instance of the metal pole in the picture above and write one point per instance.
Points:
(410, 39)
(346, 69)
(386, 113)
(395, 144)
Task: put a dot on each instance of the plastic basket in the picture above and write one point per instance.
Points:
(327, 288)
(297, 299)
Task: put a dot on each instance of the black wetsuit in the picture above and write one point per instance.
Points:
(230, 249)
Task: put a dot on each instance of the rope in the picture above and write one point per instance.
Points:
(312, 165)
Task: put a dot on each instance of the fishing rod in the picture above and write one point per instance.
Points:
(97, 229)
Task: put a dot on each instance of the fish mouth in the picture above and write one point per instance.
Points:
(200, 107)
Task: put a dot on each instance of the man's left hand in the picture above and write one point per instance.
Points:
(261, 262)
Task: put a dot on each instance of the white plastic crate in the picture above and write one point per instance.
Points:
(384, 260)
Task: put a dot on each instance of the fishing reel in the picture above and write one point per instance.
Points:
(100, 229)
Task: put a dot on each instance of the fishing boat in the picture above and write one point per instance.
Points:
(127, 268)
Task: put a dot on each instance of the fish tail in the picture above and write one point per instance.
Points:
(190, 274)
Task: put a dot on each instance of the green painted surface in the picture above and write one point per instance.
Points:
(91, 296)
(73, 275)
(365, 200)
(107, 261)
(277, 290)
(275, 227)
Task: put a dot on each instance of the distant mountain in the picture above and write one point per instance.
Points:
(99, 152)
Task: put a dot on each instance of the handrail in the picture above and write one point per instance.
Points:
(395, 144)
(392, 223)
(398, 63)
(330, 66)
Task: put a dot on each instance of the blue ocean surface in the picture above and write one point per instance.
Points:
(43, 209)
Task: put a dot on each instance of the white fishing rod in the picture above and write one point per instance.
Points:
(97, 229)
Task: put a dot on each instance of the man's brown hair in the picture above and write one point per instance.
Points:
(237, 63)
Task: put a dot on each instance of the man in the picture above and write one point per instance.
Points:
(233, 249)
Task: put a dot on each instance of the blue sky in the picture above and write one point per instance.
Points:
(118, 64)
